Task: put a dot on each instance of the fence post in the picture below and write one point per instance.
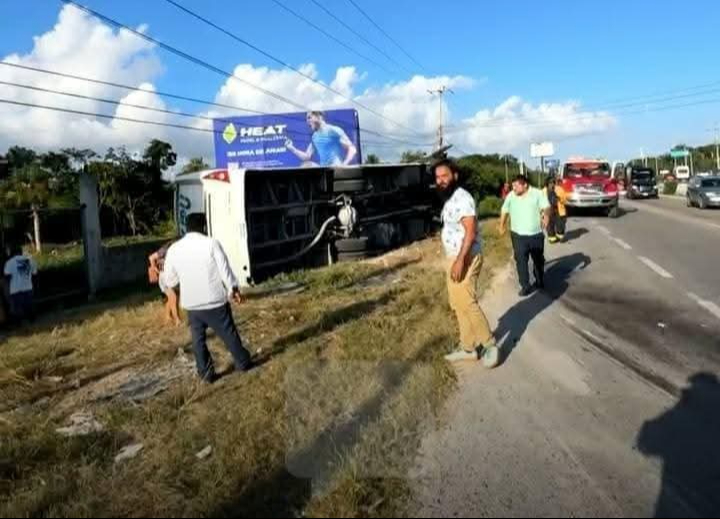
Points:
(92, 237)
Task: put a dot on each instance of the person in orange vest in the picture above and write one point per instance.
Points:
(558, 219)
(505, 191)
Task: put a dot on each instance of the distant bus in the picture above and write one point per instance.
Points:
(682, 172)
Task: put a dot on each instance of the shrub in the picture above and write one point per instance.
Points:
(490, 206)
(670, 188)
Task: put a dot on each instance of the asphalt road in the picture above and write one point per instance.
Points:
(608, 403)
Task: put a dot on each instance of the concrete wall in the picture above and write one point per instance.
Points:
(109, 267)
(125, 264)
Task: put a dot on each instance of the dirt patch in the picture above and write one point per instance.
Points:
(130, 385)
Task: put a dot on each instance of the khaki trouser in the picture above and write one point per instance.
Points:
(474, 327)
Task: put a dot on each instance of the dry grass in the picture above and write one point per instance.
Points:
(352, 373)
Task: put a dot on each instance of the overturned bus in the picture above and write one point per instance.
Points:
(275, 220)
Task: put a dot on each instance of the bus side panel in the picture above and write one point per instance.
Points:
(224, 221)
(189, 199)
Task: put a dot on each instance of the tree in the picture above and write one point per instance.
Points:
(134, 190)
(158, 158)
(373, 159)
(196, 164)
(409, 157)
(27, 188)
(19, 157)
(485, 174)
(79, 158)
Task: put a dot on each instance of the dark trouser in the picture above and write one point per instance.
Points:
(526, 247)
(221, 321)
(557, 226)
(22, 306)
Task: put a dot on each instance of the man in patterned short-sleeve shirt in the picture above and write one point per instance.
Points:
(463, 249)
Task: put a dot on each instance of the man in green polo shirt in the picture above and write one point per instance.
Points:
(529, 211)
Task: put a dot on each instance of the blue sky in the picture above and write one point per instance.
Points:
(549, 52)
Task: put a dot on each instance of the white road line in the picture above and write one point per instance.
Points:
(655, 267)
(707, 305)
(604, 230)
(622, 244)
(593, 336)
(567, 319)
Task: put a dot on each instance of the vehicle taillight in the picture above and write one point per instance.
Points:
(222, 176)
(611, 188)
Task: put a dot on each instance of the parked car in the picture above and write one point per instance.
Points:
(642, 183)
(704, 192)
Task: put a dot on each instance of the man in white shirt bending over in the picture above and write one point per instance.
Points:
(199, 266)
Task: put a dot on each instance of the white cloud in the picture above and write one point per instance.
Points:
(515, 123)
(78, 44)
(82, 45)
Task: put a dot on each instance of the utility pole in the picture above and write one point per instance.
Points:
(440, 92)
(692, 163)
(717, 144)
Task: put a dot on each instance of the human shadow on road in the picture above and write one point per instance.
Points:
(686, 439)
(513, 325)
(575, 234)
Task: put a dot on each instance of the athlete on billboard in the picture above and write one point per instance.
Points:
(330, 143)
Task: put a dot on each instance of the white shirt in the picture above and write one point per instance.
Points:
(460, 205)
(199, 265)
(21, 269)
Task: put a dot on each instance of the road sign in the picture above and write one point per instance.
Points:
(542, 149)
(552, 164)
(680, 154)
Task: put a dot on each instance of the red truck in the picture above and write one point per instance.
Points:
(590, 185)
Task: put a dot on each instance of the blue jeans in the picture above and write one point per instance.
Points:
(221, 321)
(527, 247)
(22, 305)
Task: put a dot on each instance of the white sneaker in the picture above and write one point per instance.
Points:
(462, 356)
(491, 357)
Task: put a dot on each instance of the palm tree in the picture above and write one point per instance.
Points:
(194, 165)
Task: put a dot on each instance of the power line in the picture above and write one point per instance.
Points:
(377, 26)
(130, 119)
(698, 90)
(530, 121)
(636, 112)
(359, 35)
(183, 54)
(283, 63)
(328, 35)
(131, 88)
(154, 109)
(185, 98)
(118, 103)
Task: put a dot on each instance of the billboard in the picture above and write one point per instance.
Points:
(552, 164)
(330, 138)
(542, 149)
